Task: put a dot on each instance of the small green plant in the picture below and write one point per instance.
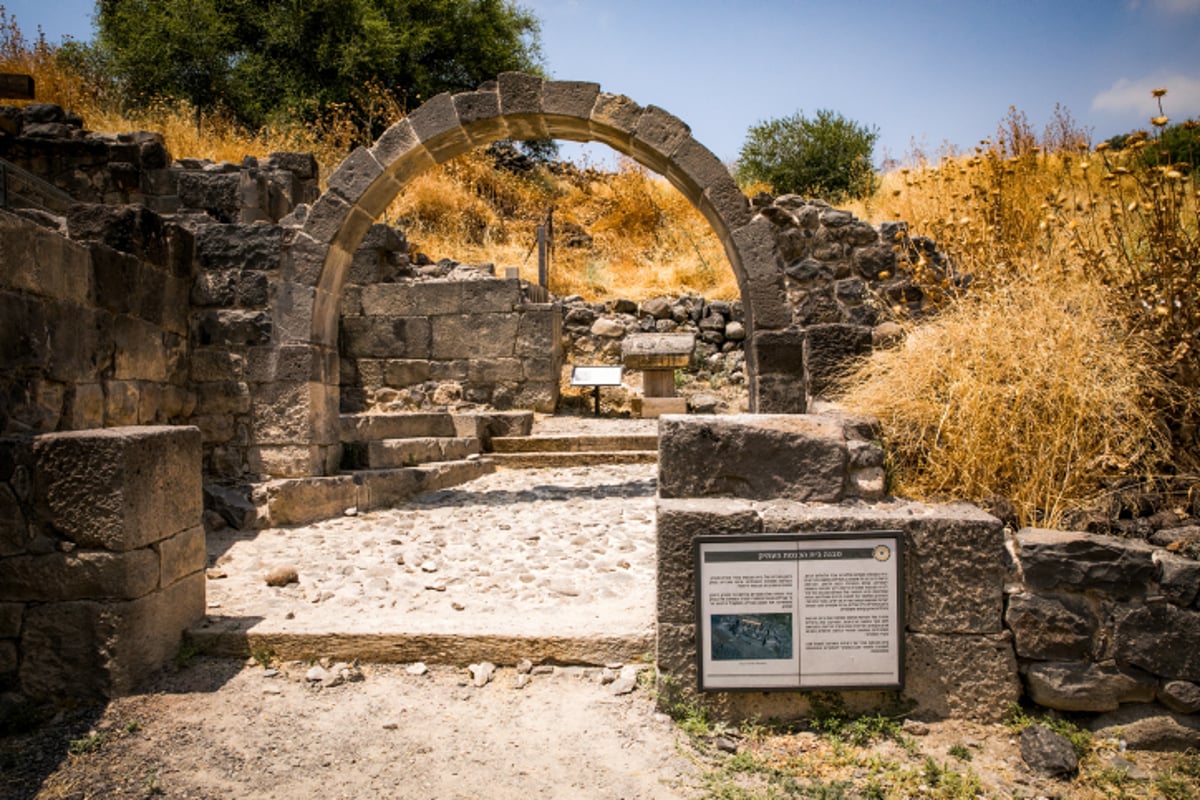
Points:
(187, 652)
(86, 744)
(1182, 780)
(960, 752)
(264, 656)
(133, 726)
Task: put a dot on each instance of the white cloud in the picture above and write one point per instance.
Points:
(1133, 96)
(1169, 6)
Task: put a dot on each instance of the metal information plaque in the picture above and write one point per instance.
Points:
(800, 611)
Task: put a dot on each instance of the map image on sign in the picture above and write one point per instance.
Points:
(737, 637)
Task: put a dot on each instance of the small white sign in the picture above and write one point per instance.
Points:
(800, 611)
(596, 376)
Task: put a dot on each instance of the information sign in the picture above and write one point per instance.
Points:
(595, 376)
(800, 611)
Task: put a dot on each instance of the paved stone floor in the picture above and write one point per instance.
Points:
(563, 552)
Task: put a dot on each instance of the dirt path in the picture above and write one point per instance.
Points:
(218, 729)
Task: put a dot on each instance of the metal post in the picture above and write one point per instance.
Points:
(543, 266)
(596, 394)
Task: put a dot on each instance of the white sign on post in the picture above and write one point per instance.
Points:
(800, 611)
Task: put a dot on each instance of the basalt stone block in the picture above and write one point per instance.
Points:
(302, 165)
(1052, 628)
(119, 488)
(474, 336)
(1146, 726)
(615, 119)
(1080, 561)
(830, 350)
(90, 650)
(1085, 686)
(1182, 697)
(79, 575)
(385, 337)
(488, 296)
(961, 677)
(1178, 578)
(679, 522)
(1160, 639)
(439, 129)
(128, 229)
(232, 327)
(219, 194)
(221, 247)
(569, 98)
(793, 457)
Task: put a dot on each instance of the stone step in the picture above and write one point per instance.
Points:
(535, 460)
(238, 637)
(391, 453)
(575, 444)
(376, 427)
(298, 501)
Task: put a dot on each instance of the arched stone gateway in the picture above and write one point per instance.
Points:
(296, 427)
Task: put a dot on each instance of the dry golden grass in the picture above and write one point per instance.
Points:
(1029, 391)
(1073, 358)
(646, 239)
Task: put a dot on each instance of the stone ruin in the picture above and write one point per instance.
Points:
(173, 330)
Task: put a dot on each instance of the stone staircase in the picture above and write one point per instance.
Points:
(566, 450)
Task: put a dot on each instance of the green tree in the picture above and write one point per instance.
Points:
(827, 156)
(262, 59)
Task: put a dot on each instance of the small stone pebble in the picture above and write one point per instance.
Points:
(524, 666)
(282, 576)
(522, 680)
(418, 668)
(481, 673)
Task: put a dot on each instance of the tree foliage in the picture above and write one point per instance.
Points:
(261, 59)
(827, 156)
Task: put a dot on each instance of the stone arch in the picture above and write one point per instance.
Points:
(303, 436)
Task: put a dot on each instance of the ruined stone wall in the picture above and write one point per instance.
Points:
(1099, 621)
(422, 343)
(93, 332)
(1070, 621)
(101, 557)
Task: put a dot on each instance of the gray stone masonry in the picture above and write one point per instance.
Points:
(786, 474)
(101, 557)
(1099, 621)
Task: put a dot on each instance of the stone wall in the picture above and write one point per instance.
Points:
(1099, 621)
(1069, 621)
(421, 343)
(101, 557)
(765, 474)
(93, 332)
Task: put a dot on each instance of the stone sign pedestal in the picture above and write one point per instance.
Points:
(658, 355)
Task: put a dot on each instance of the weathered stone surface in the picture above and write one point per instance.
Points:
(181, 555)
(657, 350)
(118, 488)
(10, 619)
(829, 350)
(256, 247)
(965, 677)
(1178, 578)
(1051, 628)
(1160, 639)
(383, 337)
(80, 575)
(232, 327)
(1052, 559)
(679, 522)
(1048, 753)
(1148, 727)
(89, 650)
(1182, 697)
(757, 457)
(1086, 686)
(296, 501)
(474, 336)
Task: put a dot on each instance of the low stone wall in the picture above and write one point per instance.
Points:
(1099, 621)
(1069, 621)
(810, 474)
(416, 343)
(102, 557)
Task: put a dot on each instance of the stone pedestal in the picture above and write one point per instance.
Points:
(658, 355)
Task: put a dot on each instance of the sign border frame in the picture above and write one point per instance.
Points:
(784, 536)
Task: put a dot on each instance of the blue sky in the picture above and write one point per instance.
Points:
(926, 72)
